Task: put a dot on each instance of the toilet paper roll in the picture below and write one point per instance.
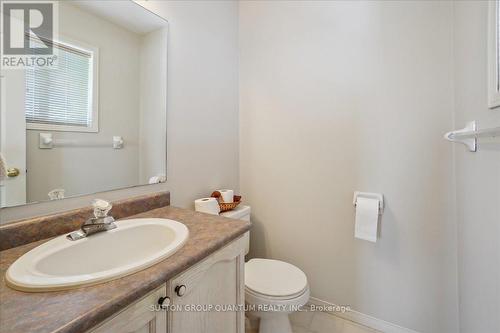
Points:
(366, 219)
(227, 195)
(157, 179)
(154, 180)
(207, 205)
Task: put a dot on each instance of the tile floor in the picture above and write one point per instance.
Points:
(318, 322)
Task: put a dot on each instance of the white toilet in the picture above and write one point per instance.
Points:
(273, 288)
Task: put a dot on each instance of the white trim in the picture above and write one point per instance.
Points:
(493, 55)
(61, 128)
(363, 319)
(94, 96)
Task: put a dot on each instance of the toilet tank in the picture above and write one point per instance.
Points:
(240, 213)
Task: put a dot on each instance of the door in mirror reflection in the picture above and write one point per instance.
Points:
(13, 139)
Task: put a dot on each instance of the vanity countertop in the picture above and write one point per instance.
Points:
(80, 309)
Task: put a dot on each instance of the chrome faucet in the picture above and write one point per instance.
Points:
(100, 222)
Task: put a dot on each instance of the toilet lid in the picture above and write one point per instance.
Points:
(274, 277)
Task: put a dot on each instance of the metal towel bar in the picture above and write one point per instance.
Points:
(46, 141)
(469, 135)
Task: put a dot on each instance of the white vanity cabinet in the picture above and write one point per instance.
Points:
(203, 299)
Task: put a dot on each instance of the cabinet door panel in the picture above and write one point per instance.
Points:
(216, 281)
(138, 317)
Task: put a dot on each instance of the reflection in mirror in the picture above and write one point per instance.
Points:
(494, 54)
(97, 120)
(497, 43)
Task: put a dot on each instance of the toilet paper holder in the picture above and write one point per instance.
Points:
(378, 196)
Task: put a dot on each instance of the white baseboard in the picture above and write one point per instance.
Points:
(363, 319)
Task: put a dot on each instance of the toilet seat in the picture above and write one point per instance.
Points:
(274, 279)
(250, 293)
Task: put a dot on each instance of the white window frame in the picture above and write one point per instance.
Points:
(493, 55)
(94, 82)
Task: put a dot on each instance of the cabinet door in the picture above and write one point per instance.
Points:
(139, 317)
(216, 281)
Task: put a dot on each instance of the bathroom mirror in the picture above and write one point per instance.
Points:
(96, 120)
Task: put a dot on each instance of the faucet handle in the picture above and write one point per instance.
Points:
(101, 208)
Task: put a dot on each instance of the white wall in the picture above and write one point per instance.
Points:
(344, 96)
(477, 176)
(202, 116)
(88, 169)
(153, 105)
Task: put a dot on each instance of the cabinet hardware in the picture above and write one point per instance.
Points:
(164, 301)
(180, 290)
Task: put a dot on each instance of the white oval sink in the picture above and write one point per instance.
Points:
(61, 264)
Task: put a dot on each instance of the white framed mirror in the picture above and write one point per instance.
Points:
(494, 54)
(96, 121)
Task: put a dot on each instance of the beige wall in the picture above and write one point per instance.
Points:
(202, 116)
(343, 96)
(477, 176)
(88, 169)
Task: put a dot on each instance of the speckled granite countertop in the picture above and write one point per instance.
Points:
(80, 309)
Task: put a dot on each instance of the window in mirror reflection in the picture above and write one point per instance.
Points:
(62, 98)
